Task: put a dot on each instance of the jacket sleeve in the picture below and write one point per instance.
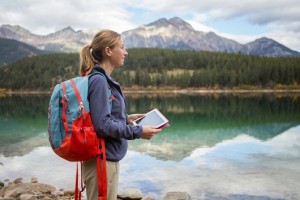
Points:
(104, 123)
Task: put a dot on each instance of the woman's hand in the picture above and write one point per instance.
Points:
(132, 117)
(149, 132)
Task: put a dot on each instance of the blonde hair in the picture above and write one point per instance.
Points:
(93, 54)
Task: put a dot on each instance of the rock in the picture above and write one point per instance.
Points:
(177, 196)
(130, 193)
(34, 180)
(39, 195)
(18, 180)
(148, 198)
(15, 190)
(58, 193)
(2, 192)
(47, 192)
(1, 185)
(69, 193)
(27, 197)
(7, 198)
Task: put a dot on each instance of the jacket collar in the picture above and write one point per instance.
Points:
(109, 78)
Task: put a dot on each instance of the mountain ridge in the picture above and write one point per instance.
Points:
(12, 50)
(173, 33)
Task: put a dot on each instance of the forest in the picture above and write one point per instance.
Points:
(161, 68)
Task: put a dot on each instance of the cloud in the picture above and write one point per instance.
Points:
(279, 18)
(43, 17)
(260, 12)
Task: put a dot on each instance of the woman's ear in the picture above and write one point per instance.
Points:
(107, 51)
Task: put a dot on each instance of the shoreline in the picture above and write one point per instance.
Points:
(19, 190)
(170, 91)
(214, 91)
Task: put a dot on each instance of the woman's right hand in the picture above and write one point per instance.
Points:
(149, 132)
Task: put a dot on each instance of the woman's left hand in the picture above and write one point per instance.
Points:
(132, 117)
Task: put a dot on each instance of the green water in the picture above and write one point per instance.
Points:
(195, 120)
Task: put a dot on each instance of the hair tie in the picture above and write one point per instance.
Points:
(92, 56)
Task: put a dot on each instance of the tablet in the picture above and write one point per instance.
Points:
(153, 118)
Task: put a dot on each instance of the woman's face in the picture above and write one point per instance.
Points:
(118, 54)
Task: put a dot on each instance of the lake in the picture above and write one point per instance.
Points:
(219, 146)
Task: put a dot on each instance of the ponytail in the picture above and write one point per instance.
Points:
(86, 61)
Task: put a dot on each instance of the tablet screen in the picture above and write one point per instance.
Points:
(152, 118)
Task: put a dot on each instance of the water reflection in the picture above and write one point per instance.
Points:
(22, 117)
(172, 145)
(236, 169)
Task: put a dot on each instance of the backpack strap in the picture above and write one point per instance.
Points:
(101, 170)
(77, 194)
(79, 100)
(64, 103)
(81, 107)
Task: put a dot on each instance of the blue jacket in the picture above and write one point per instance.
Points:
(110, 122)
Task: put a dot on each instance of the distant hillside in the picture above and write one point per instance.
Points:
(159, 68)
(65, 40)
(268, 47)
(12, 50)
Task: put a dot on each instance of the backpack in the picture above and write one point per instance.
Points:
(71, 132)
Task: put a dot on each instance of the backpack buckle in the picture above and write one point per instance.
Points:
(81, 106)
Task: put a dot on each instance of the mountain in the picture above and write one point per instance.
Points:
(65, 40)
(268, 47)
(12, 50)
(177, 34)
(173, 33)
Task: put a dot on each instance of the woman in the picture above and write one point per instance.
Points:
(104, 54)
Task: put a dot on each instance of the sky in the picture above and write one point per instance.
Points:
(242, 21)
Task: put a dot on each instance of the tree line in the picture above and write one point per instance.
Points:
(160, 68)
